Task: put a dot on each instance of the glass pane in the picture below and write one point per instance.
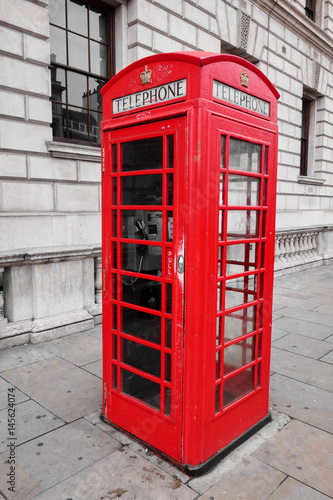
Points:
(168, 298)
(58, 45)
(244, 156)
(114, 346)
(77, 17)
(217, 399)
(142, 357)
(168, 367)
(114, 195)
(77, 52)
(57, 13)
(222, 180)
(238, 355)
(95, 98)
(167, 401)
(77, 89)
(170, 151)
(239, 323)
(77, 124)
(114, 160)
(98, 25)
(240, 291)
(141, 388)
(221, 223)
(58, 85)
(95, 128)
(114, 377)
(169, 178)
(59, 123)
(145, 154)
(168, 326)
(170, 227)
(238, 386)
(243, 224)
(142, 190)
(142, 325)
(266, 160)
(220, 262)
(243, 191)
(99, 59)
(223, 157)
(241, 258)
(143, 293)
(142, 258)
(142, 225)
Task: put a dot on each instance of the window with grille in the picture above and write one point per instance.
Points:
(81, 63)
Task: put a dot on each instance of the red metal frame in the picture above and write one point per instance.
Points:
(207, 365)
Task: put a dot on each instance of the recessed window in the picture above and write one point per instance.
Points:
(305, 136)
(81, 63)
(310, 9)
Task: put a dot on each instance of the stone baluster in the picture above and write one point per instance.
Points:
(301, 245)
(277, 249)
(292, 247)
(296, 245)
(306, 245)
(314, 243)
(98, 280)
(287, 247)
(282, 249)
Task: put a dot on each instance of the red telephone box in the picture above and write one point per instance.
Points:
(189, 148)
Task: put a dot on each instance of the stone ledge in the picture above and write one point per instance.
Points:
(74, 151)
(43, 255)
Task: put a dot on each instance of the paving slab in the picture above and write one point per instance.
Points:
(7, 389)
(252, 479)
(303, 369)
(30, 420)
(277, 334)
(311, 316)
(302, 401)
(304, 453)
(78, 349)
(234, 460)
(301, 327)
(22, 355)
(306, 346)
(96, 332)
(328, 358)
(329, 339)
(56, 456)
(125, 475)
(65, 390)
(291, 489)
(94, 419)
(96, 368)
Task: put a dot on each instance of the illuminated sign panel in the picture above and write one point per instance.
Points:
(239, 98)
(156, 95)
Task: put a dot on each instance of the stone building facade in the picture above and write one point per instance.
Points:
(50, 197)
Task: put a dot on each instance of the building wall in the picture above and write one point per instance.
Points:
(50, 192)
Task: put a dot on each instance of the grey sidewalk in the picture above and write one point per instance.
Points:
(64, 452)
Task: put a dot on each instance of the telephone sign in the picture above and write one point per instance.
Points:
(189, 142)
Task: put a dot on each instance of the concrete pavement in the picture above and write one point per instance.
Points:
(63, 451)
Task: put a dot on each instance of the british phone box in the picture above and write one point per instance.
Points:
(189, 160)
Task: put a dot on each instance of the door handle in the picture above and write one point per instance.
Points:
(180, 264)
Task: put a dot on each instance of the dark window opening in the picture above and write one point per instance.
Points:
(305, 136)
(310, 9)
(81, 63)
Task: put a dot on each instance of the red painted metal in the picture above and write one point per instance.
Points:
(186, 352)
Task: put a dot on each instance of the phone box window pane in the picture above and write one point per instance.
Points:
(243, 224)
(142, 357)
(141, 325)
(238, 386)
(141, 388)
(144, 154)
(239, 323)
(243, 190)
(240, 291)
(238, 355)
(143, 293)
(142, 258)
(244, 156)
(142, 190)
(241, 258)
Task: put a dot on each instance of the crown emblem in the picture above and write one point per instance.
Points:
(244, 79)
(145, 76)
